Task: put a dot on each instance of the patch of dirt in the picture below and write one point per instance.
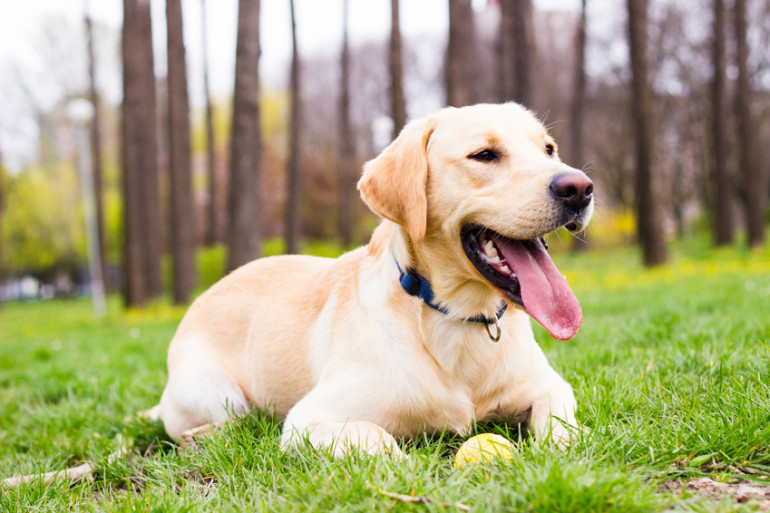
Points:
(741, 491)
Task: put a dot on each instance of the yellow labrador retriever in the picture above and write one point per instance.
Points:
(410, 332)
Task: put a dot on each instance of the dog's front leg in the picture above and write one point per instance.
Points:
(326, 427)
(553, 414)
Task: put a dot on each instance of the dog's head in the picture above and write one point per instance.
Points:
(475, 189)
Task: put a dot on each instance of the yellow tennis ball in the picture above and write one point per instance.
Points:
(484, 448)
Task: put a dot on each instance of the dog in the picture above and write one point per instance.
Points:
(426, 328)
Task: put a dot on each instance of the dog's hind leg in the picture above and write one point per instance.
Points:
(199, 392)
(189, 437)
(151, 414)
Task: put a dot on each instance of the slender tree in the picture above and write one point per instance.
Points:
(579, 90)
(294, 177)
(505, 49)
(460, 69)
(347, 152)
(578, 104)
(516, 47)
(397, 101)
(134, 293)
(182, 208)
(96, 143)
(524, 51)
(649, 217)
(753, 188)
(243, 237)
(212, 218)
(142, 244)
(721, 186)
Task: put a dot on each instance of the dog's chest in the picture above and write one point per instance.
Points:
(427, 405)
(449, 388)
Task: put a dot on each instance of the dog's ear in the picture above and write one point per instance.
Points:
(394, 183)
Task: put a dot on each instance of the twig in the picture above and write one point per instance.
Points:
(70, 475)
(405, 498)
(421, 500)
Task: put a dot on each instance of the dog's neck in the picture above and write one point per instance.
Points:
(451, 276)
(452, 341)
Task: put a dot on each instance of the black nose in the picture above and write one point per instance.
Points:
(573, 189)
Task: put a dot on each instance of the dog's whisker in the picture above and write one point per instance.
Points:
(588, 167)
(558, 236)
(578, 237)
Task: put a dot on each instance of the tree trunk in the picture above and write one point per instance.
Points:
(721, 193)
(649, 217)
(142, 244)
(753, 183)
(579, 91)
(294, 178)
(524, 51)
(243, 238)
(347, 152)
(96, 147)
(397, 102)
(212, 218)
(461, 61)
(182, 208)
(578, 106)
(505, 48)
(516, 47)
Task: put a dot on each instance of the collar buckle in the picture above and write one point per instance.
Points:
(499, 331)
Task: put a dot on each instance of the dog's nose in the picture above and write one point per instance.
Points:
(573, 189)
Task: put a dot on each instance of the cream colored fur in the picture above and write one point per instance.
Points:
(341, 352)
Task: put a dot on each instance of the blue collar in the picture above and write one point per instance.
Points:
(416, 285)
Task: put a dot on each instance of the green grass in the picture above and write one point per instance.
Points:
(671, 370)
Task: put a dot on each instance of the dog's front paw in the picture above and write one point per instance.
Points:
(559, 432)
(342, 439)
(553, 417)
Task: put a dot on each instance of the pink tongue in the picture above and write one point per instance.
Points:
(544, 291)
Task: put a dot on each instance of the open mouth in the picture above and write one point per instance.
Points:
(524, 272)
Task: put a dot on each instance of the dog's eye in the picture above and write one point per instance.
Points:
(550, 150)
(485, 156)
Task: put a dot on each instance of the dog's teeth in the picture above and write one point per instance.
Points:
(490, 249)
(493, 260)
(506, 269)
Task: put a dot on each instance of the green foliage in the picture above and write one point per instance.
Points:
(211, 264)
(42, 224)
(671, 370)
(113, 216)
(274, 108)
(322, 248)
(212, 261)
(221, 125)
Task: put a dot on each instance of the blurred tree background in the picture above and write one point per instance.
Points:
(665, 103)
